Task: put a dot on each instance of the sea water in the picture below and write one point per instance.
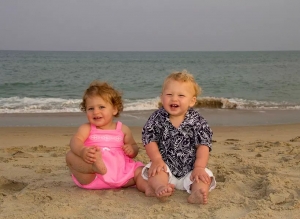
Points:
(53, 82)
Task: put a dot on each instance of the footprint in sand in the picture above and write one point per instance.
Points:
(8, 186)
(59, 151)
(296, 139)
(232, 139)
(21, 154)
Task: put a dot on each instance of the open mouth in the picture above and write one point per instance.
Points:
(174, 105)
(97, 118)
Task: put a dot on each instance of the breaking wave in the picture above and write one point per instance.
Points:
(55, 105)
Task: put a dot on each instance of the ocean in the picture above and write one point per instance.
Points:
(239, 88)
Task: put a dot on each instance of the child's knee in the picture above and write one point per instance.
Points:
(68, 157)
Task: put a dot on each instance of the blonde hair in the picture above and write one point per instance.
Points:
(183, 76)
(106, 92)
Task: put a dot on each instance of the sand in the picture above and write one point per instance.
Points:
(257, 171)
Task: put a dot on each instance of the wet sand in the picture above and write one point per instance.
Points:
(215, 117)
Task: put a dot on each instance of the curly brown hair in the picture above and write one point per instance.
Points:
(183, 76)
(106, 92)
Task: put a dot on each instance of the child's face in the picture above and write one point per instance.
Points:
(99, 112)
(177, 97)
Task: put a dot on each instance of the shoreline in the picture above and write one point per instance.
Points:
(215, 117)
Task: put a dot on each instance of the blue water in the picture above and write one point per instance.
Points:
(40, 81)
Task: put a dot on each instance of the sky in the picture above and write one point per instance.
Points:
(150, 25)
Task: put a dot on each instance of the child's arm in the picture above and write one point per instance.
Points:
(199, 172)
(77, 144)
(158, 163)
(130, 147)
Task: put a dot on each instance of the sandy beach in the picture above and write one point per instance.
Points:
(257, 169)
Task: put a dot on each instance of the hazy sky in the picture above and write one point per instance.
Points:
(150, 25)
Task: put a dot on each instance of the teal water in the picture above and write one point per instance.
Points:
(36, 81)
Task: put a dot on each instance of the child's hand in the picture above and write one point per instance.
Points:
(198, 174)
(128, 150)
(88, 154)
(156, 167)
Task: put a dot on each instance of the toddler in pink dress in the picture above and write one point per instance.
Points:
(102, 151)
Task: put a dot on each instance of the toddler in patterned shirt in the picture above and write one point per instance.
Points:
(178, 140)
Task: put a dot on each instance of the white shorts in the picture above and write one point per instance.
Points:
(185, 182)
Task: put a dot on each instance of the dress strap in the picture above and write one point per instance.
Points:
(119, 125)
(93, 127)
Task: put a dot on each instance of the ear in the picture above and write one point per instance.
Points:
(161, 98)
(115, 111)
(193, 101)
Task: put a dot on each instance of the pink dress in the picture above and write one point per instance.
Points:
(120, 167)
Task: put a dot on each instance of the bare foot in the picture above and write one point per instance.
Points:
(163, 192)
(151, 193)
(99, 165)
(199, 196)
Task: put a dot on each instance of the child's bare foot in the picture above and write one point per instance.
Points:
(150, 192)
(163, 192)
(199, 196)
(99, 165)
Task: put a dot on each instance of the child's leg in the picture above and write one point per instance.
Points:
(199, 193)
(141, 184)
(160, 184)
(84, 172)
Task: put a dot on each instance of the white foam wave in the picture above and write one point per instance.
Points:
(38, 105)
(145, 104)
(56, 105)
(263, 105)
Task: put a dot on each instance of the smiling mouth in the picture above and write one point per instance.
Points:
(174, 105)
(96, 118)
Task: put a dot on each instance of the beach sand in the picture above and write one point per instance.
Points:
(257, 169)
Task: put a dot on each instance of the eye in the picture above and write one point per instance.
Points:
(169, 94)
(181, 95)
(101, 107)
(91, 108)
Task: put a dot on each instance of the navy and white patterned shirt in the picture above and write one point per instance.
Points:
(177, 146)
